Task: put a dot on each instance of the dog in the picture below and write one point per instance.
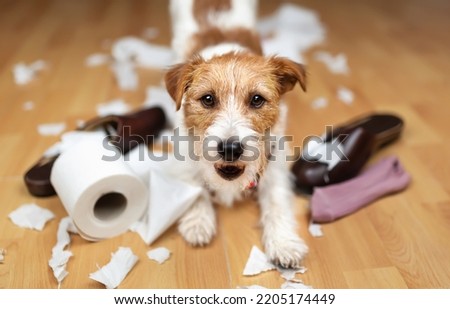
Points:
(228, 97)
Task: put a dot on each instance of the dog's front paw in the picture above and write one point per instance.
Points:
(287, 252)
(198, 226)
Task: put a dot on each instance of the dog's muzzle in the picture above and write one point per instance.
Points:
(230, 150)
(229, 171)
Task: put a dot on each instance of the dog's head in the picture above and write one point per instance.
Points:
(230, 102)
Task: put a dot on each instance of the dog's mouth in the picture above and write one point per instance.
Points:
(229, 171)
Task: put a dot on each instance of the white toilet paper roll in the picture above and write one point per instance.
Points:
(99, 191)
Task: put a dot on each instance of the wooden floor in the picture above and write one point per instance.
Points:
(398, 52)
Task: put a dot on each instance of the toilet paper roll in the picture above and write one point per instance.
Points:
(100, 192)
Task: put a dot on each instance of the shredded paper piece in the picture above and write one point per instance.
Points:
(291, 31)
(97, 60)
(28, 106)
(23, 74)
(51, 129)
(257, 263)
(252, 287)
(345, 95)
(126, 76)
(31, 216)
(289, 273)
(113, 107)
(159, 255)
(295, 285)
(336, 64)
(113, 273)
(315, 229)
(129, 52)
(2, 255)
(321, 151)
(60, 257)
(131, 49)
(319, 103)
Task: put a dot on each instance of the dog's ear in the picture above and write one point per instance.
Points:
(179, 77)
(177, 80)
(288, 73)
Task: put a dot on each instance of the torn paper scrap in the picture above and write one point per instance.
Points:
(320, 151)
(23, 74)
(51, 129)
(319, 103)
(28, 106)
(289, 273)
(2, 255)
(169, 199)
(315, 229)
(60, 256)
(158, 96)
(291, 31)
(282, 46)
(252, 287)
(113, 107)
(113, 273)
(159, 255)
(125, 74)
(295, 285)
(31, 216)
(336, 64)
(97, 59)
(257, 263)
(131, 49)
(345, 95)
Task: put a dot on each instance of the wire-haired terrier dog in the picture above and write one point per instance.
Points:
(228, 97)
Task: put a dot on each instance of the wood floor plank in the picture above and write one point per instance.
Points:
(397, 53)
(376, 278)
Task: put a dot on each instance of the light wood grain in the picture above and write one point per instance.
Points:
(398, 52)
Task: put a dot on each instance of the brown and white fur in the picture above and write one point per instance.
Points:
(224, 87)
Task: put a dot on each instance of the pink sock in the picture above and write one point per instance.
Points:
(332, 202)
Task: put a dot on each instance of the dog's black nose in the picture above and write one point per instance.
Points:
(230, 150)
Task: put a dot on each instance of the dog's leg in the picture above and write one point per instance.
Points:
(282, 244)
(198, 224)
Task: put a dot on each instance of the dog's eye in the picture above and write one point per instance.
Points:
(257, 101)
(208, 101)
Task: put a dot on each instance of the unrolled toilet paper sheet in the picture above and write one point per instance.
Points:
(169, 199)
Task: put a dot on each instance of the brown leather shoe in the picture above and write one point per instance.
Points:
(126, 132)
(358, 140)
